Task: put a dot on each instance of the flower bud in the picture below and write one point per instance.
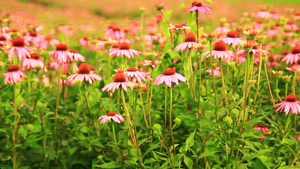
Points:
(228, 120)
(235, 113)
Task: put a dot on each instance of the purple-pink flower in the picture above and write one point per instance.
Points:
(19, 49)
(111, 116)
(84, 73)
(119, 80)
(14, 75)
(124, 50)
(197, 6)
(169, 75)
(289, 104)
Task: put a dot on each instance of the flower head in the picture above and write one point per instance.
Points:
(289, 104)
(61, 54)
(190, 42)
(220, 51)
(32, 62)
(19, 49)
(119, 80)
(124, 50)
(197, 6)
(84, 73)
(169, 75)
(14, 75)
(111, 116)
(292, 57)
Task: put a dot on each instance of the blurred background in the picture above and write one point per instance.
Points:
(95, 15)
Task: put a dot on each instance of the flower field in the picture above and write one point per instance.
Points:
(167, 85)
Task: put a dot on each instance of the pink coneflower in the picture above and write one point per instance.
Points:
(216, 70)
(197, 6)
(151, 63)
(254, 51)
(292, 68)
(124, 50)
(169, 75)
(290, 25)
(19, 49)
(273, 32)
(66, 66)
(76, 55)
(115, 33)
(32, 62)
(259, 25)
(61, 54)
(135, 75)
(190, 42)
(180, 27)
(84, 73)
(222, 30)
(111, 116)
(232, 38)
(14, 75)
(219, 51)
(32, 37)
(290, 103)
(263, 14)
(274, 15)
(119, 80)
(294, 56)
(151, 36)
(297, 16)
(264, 129)
(4, 41)
(272, 61)
(84, 41)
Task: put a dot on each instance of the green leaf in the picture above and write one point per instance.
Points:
(190, 121)
(23, 131)
(249, 144)
(112, 164)
(206, 154)
(189, 141)
(266, 161)
(188, 162)
(149, 161)
(165, 23)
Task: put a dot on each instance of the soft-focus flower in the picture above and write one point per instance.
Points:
(151, 63)
(222, 30)
(14, 75)
(272, 61)
(264, 129)
(169, 75)
(124, 50)
(3, 40)
(232, 38)
(119, 80)
(84, 41)
(289, 104)
(292, 57)
(216, 70)
(263, 14)
(219, 51)
(180, 27)
(197, 6)
(76, 55)
(190, 42)
(84, 73)
(274, 15)
(115, 33)
(61, 54)
(32, 62)
(135, 75)
(19, 49)
(111, 116)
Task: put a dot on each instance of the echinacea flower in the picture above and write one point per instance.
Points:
(180, 27)
(263, 14)
(197, 6)
(232, 38)
(292, 57)
(264, 129)
(169, 75)
(32, 62)
(61, 54)
(84, 73)
(220, 51)
(115, 33)
(14, 75)
(135, 74)
(124, 50)
(217, 72)
(151, 63)
(289, 104)
(253, 48)
(119, 80)
(76, 55)
(84, 41)
(111, 116)
(221, 30)
(4, 41)
(19, 49)
(190, 42)
(274, 15)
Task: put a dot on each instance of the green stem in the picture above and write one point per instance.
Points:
(15, 127)
(171, 115)
(269, 86)
(224, 86)
(258, 78)
(286, 88)
(294, 78)
(115, 139)
(143, 108)
(192, 74)
(165, 106)
(276, 89)
(214, 83)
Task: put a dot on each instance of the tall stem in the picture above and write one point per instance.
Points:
(163, 13)
(213, 77)
(192, 72)
(294, 78)
(224, 86)
(115, 139)
(197, 23)
(143, 108)
(15, 128)
(269, 86)
(166, 105)
(258, 78)
(171, 115)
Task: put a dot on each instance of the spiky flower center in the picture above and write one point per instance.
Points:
(259, 22)
(119, 77)
(111, 113)
(131, 69)
(273, 12)
(33, 33)
(84, 68)
(116, 28)
(2, 38)
(124, 46)
(35, 56)
(73, 51)
(190, 37)
(13, 68)
(196, 3)
(169, 71)
(220, 46)
(85, 38)
(232, 34)
(272, 58)
(285, 52)
(62, 47)
(291, 98)
(18, 42)
(296, 50)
